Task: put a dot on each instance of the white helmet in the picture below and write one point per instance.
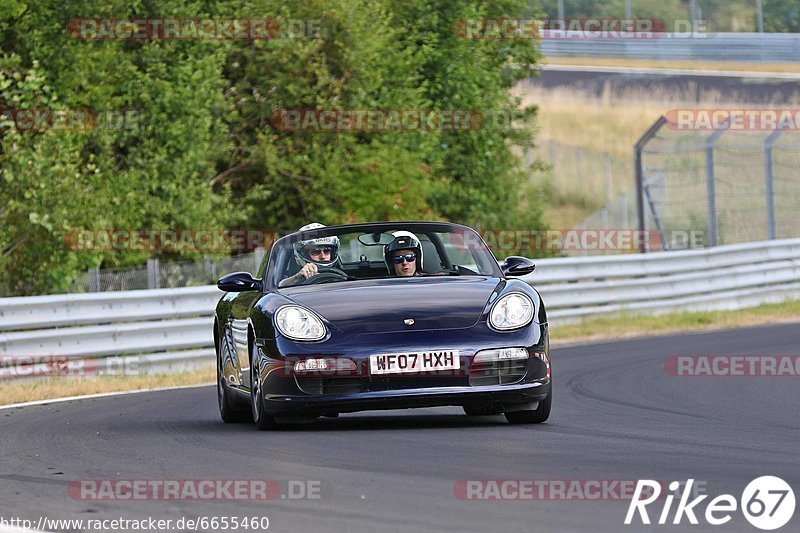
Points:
(302, 248)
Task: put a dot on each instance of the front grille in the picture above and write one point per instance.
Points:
(497, 372)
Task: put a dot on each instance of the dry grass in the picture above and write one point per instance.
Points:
(32, 389)
(610, 123)
(627, 325)
(676, 64)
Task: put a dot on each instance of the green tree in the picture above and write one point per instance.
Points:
(151, 173)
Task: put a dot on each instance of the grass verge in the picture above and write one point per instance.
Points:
(32, 389)
(630, 325)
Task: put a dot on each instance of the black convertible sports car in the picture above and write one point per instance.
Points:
(386, 315)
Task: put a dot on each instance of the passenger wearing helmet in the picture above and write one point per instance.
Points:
(404, 255)
(312, 254)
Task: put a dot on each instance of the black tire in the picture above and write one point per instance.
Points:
(231, 408)
(481, 410)
(262, 420)
(534, 416)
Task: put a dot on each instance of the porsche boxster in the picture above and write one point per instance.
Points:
(390, 315)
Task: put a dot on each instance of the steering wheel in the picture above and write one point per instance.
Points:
(326, 274)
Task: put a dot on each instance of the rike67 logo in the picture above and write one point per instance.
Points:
(767, 503)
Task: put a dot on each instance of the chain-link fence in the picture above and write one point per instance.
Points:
(158, 275)
(699, 188)
(722, 186)
(595, 186)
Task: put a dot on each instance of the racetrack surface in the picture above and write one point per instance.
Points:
(617, 415)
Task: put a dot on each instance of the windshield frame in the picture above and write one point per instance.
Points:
(284, 244)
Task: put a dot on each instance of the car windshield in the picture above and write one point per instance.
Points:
(380, 251)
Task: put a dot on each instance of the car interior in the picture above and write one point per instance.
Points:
(362, 261)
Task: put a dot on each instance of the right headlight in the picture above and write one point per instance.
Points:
(297, 323)
(512, 311)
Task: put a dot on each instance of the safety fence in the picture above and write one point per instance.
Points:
(171, 329)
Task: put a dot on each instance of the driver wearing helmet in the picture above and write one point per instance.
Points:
(312, 254)
(404, 255)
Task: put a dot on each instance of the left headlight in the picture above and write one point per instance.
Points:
(299, 324)
(512, 311)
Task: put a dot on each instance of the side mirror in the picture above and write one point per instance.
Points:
(515, 265)
(239, 282)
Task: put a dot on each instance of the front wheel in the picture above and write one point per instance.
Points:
(532, 416)
(263, 421)
(231, 407)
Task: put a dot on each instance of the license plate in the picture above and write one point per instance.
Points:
(400, 363)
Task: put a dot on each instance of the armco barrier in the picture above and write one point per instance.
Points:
(701, 46)
(170, 329)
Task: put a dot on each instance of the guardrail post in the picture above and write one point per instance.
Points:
(638, 164)
(153, 278)
(770, 182)
(94, 279)
(607, 168)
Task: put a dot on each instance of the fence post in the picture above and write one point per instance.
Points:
(153, 278)
(208, 269)
(770, 179)
(713, 226)
(553, 158)
(579, 164)
(607, 165)
(638, 164)
(94, 279)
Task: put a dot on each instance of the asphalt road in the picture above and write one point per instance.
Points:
(618, 415)
(693, 88)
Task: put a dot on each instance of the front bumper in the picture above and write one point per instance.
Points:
(511, 394)
(286, 395)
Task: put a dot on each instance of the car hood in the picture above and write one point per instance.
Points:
(382, 306)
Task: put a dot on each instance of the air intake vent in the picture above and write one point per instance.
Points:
(497, 372)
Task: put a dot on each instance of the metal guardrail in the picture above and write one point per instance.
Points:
(170, 329)
(701, 46)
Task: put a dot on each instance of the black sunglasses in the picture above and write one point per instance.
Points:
(321, 250)
(398, 259)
